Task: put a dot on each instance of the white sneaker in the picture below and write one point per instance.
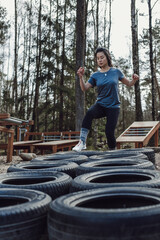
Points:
(79, 147)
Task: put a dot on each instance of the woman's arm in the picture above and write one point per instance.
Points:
(84, 86)
(129, 83)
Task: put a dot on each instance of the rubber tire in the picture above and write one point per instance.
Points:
(119, 155)
(66, 167)
(54, 183)
(112, 214)
(66, 153)
(150, 153)
(89, 153)
(23, 214)
(116, 178)
(75, 158)
(115, 163)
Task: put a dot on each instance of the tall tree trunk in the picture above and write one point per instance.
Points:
(57, 60)
(80, 48)
(35, 127)
(62, 71)
(135, 59)
(15, 93)
(157, 85)
(110, 23)
(96, 42)
(97, 26)
(105, 23)
(49, 60)
(29, 59)
(23, 82)
(151, 62)
(86, 15)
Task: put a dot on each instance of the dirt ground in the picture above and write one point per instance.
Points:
(4, 165)
(17, 159)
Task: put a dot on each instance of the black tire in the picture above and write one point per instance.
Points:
(112, 214)
(53, 183)
(74, 158)
(150, 153)
(23, 214)
(119, 155)
(66, 153)
(66, 167)
(116, 178)
(115, 163)
(89, 153)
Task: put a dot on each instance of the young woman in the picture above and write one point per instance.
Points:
(107, 104)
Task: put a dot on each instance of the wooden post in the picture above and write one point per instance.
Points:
(118, 145)
(10, 145)
(54, 149)
(156, 138)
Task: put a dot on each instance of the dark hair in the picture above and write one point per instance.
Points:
(106, 53)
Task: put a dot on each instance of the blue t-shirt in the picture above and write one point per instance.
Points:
(107, 86)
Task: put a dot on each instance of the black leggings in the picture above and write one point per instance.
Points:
(97, 111)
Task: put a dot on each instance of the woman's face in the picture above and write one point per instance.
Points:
(101, 59)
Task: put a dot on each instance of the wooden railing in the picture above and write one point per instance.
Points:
(51, 136)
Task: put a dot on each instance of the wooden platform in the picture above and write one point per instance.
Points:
(139, 133)
(26, 145)
(55, 145)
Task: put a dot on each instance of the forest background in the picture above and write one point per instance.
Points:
(46, 41)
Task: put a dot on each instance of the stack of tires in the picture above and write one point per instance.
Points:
(26, 191)
(115, 196)
(90, 195)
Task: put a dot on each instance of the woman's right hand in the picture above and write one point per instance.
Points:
(84, 86)
(80, 72)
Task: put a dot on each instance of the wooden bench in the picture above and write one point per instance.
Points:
(46, 139)
(139, 133)
(54, 146)
(26, 145)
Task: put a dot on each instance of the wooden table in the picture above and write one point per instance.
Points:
(139, 133)
(55, 145)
